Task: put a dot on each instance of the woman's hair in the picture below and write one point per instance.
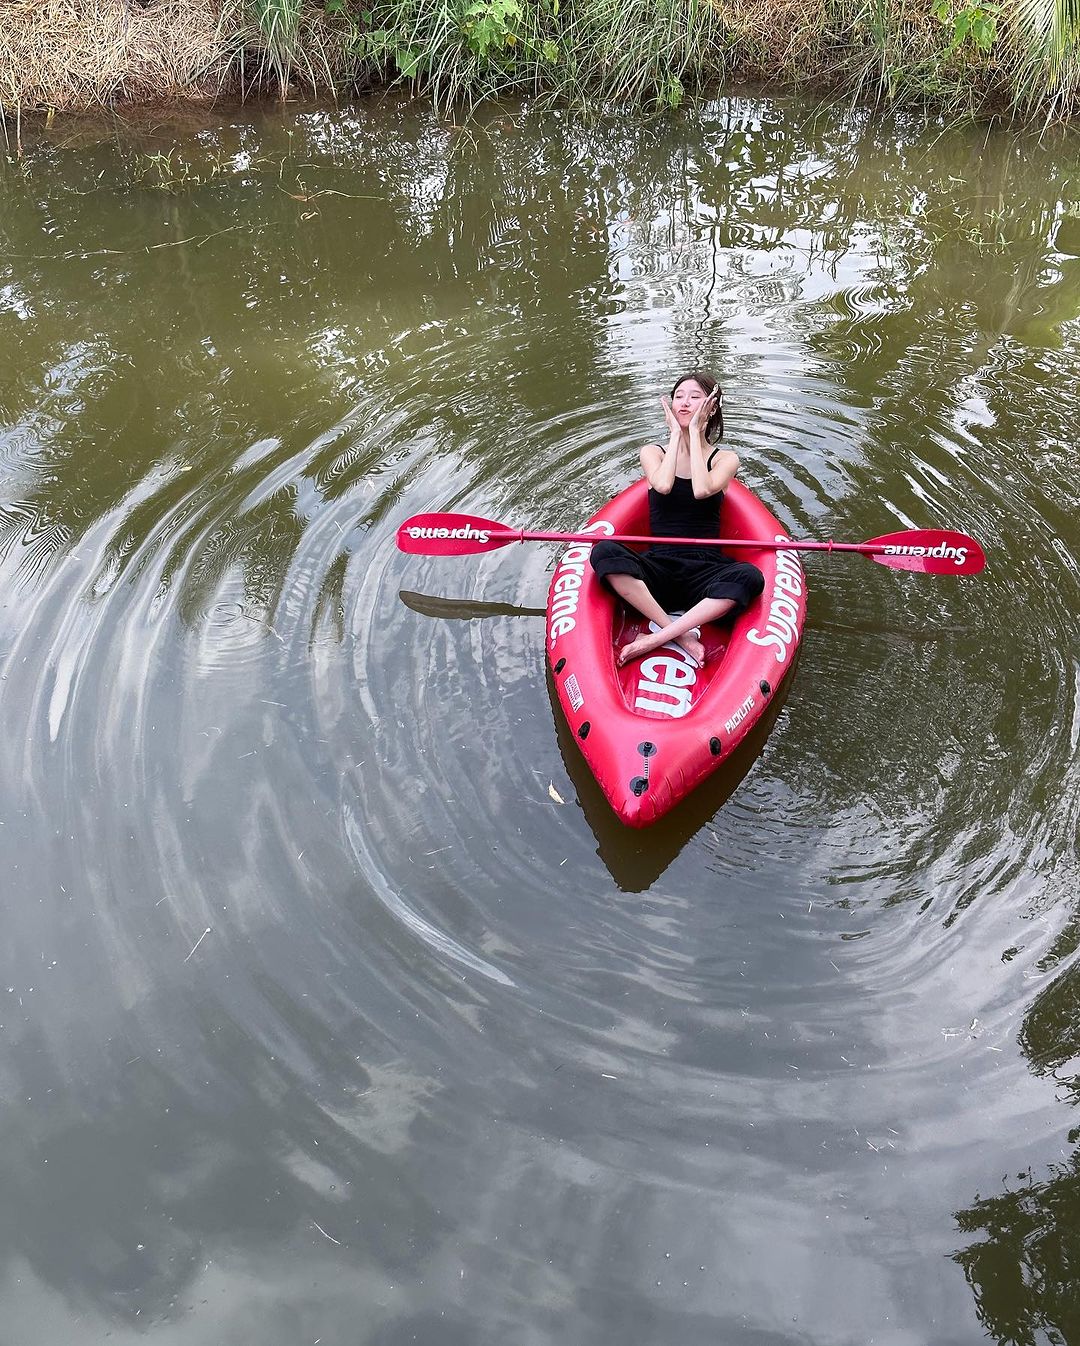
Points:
(715, 428)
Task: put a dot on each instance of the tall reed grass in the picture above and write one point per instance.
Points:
(964, 57)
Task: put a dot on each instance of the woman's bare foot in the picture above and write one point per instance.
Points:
(645, 644)
(693, 647)
(637, 649)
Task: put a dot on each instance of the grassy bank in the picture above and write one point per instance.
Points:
(962, 57)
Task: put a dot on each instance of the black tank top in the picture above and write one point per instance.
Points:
(681, 514)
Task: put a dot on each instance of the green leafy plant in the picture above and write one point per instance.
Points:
(492, 25)
(976, 23)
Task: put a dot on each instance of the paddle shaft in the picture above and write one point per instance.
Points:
(754, 544)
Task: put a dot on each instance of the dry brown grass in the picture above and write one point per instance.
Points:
(775, 37)
(75, 54)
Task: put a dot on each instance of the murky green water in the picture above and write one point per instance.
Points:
(320, 1019)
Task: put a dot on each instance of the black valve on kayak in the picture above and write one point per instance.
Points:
(640, 784)
(583, 729)
(715, 746)
(765, 688)
(560, 666)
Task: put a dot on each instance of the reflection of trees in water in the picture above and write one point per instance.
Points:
(1024, 1270)
(455, 265)
(445, 305)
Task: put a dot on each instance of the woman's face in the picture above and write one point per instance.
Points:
(686, 399)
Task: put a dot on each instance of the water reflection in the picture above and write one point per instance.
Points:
(1021, 1271)
(463, 609)
(1021, 1266)
(324, 1015)
(207, 1179)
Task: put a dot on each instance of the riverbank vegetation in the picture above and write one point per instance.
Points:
(959, 57)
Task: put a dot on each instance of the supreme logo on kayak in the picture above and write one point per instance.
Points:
(566, 586)
(784, 610)
(666, 682)
(944, 550)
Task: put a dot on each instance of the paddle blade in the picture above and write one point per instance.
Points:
(453, 535)
(934, 551)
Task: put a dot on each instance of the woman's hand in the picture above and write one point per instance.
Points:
(700, 419)
(674, 428)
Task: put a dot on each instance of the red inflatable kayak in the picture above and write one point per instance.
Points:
(653, 730)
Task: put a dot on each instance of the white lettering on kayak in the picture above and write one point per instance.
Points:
(740, 715)
(480, 535)
(666, 684)
(781, 631)
(943, 551)
(566, 587)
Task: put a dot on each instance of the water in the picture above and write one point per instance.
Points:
(321, 1017)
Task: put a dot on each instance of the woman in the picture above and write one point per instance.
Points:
(687, 481)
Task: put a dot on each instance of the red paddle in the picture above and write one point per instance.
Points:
(935, 551)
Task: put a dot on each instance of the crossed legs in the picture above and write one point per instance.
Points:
(637, 594)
